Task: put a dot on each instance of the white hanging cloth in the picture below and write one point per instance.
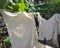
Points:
(58, 22)
(41, 29)
(48, 29)
(21, 29)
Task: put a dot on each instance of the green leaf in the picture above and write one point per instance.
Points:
(3, 3)
(6, 39)
(20, 6)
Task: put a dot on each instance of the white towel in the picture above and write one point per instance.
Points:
(48, 29)
(21, 29)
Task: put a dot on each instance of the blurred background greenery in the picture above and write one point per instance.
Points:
(48, 7)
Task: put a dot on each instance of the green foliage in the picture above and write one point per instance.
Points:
(6, 39)
(9, 6)
(20, 6)
(57, 7)
(49, 8)
(3, 3)
(1, 28)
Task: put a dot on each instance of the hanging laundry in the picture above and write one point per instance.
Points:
(21, 29)
(48, 32)
(58, 21)
(58, 27)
